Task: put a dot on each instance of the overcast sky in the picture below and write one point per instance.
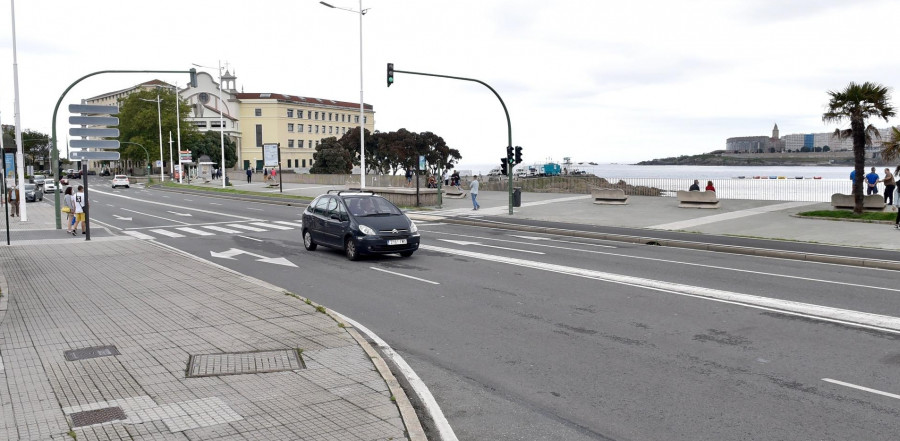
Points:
(602, 81)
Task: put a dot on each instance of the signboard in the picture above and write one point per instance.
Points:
(10, 164)
(94, 120)
(421, 162)
(158, 163)
(177, 168)
(94, 143)
(90, 108)
(270, 155)
(94, 156)
(186, 156)
(94, 132)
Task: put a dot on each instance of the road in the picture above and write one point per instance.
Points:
(526, 336)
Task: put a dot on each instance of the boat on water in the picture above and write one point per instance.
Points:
(817, 177)
(592, 163)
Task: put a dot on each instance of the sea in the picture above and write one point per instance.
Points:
(700, 172)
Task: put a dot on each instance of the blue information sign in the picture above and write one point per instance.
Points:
(10, 164)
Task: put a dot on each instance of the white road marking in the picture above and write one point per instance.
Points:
(109, 205)
(106, 224)
(179, 214)
(404, 275)
(860, 319)
(236, 252)
(138, 235)
(273, 226)
(874, 391)
(195, 231)
(293, 224)
(222, 229)
(245, 227)
(167, 233)
(255, 209)
(251, 238)
(121, 218)
(681, 225)
(189, 200)
(199, 210)
(214, 203)
(466, 243)
(158, 217)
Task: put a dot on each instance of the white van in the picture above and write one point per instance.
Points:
(495, 172)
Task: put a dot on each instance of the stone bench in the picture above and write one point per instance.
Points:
(453, 193)
(697, 199)
(609, 196)
(870, 202)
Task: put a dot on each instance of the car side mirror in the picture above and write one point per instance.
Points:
(336, 216)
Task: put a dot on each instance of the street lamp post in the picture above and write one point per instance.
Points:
(221, 121)
(159, 120)
(362, 116)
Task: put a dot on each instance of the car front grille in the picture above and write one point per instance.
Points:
(397, 232)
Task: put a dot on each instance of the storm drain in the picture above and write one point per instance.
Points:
(92, 352)
(97, 416)
(238, 363)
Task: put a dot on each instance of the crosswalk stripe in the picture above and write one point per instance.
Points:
(222, 229)
(195, 231)
(292, 224)
(275, 226)
(245, 227)
(167, 233)
(137, 235)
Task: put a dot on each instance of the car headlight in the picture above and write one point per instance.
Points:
(412, 227)
(366, 230)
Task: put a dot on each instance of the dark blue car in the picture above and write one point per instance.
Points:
(358, 222)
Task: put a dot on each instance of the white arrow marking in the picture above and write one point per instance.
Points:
(121, 218)
(236, 252)
(465, 243)
(179, 214)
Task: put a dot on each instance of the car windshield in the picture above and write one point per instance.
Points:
(371, 206)
(29, 187)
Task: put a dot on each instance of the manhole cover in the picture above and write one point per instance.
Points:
(238, 363)
(97, 416)
(92, 352)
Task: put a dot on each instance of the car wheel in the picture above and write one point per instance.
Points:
(308, 242)
(127, 186)
(350, 249)
(406, 254)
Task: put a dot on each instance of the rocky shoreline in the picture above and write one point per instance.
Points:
(764, 159)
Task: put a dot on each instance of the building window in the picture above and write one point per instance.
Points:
(257, 112)
(329, 116)
(357, 119)
(309, 114)
(200, 124)
(300, 143)
(290, 113)
(330, 129)
(342, 117)
(299, 128)
(304, 163)
(317, 129)
(216, 124)
(317, 143)
(317, 115)
(259, 138)
(365, 120)
(309, 128)
(290, 143)
(300, 114)
(290, 127)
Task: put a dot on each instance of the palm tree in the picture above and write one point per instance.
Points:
(890, 150)
(857, 103)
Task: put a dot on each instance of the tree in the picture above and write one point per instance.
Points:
(890, 150)
(208, 143)
(331, 158)
(856, 103)
(139, 122)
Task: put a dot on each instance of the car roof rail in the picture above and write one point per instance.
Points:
(343, 192)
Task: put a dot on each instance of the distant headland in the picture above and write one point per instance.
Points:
(719, 157)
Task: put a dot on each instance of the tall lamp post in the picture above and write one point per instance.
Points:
(178, 131)
(221, 120)
(159, 120)
(362, 115)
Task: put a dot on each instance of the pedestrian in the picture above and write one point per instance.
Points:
(454, 180)
(249, 174)
(69, 209)
(872, 181)
(12, 198)
(80, 203)
(408, 177)
(473, 188)
(709, 186)
(896, 200)
(695, 186)
(444, 178)
(889, 185)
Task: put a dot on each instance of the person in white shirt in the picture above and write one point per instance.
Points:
(80, 202)
(473, 188)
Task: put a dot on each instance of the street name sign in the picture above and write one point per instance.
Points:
(94, 132)
(111, 144)
(94, 156)
(94, 120)
(89, 108)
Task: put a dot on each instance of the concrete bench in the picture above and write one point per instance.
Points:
(870, 202)
(697, 199)
(453, 193)
(609, 196)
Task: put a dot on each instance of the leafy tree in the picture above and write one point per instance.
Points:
(858, 102)
(890, 150)
(139, 122)
(209, 143)
(332, 158)
(826, 148)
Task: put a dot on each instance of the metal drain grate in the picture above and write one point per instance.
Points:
(98, 416)
(237, 363)
(92, 352)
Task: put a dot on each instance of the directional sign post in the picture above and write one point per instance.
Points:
(94, 156)
(87, 118)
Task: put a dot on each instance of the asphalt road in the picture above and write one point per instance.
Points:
(526, 336)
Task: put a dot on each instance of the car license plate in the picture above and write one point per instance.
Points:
(397, 242)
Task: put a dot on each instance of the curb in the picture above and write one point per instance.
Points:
(650, 240)
(862, 221)
(262, 199)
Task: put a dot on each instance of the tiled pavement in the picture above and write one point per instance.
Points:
(159, 308)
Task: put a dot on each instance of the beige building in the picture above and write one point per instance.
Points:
(297, 123)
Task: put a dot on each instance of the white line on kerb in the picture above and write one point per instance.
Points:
(404, 275)
(874, 391)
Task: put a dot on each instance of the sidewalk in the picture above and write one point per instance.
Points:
(128, 339)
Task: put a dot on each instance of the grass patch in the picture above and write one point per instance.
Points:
(72, 434)
(847, 214)
(292, 295)
(341, 325)
(308, 301)
(321, 309)
(235, 191)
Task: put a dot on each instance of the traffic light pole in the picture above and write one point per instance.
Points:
(508, 123)
(55, 151)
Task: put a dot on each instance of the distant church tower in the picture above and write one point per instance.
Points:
(775, 132)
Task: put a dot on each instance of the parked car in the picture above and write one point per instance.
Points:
(49, 186)
(358, 222)
(120, 181)
(33, 193)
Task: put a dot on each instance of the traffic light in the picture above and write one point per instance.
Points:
(503, 163)
(390, 74)
(193, 77)
(509, 155)
(518, 155)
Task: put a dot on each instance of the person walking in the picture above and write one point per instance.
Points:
(872, 182)
(80, 203)
(889, 185)
(408, 177)
(69, 203)
(473, 188)
(12, 198)
(897, 200)
(249, 174)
